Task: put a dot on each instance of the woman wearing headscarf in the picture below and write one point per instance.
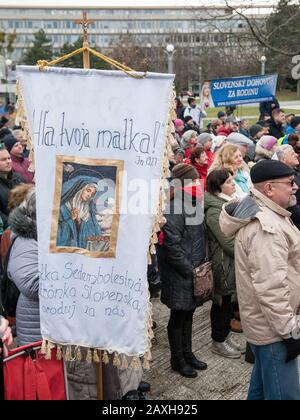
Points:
(77, 218)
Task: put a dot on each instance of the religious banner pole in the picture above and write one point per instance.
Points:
(87, 65)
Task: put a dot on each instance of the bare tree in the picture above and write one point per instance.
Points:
(127, 52)
(278, 30)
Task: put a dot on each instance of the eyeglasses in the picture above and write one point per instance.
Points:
(291, 182)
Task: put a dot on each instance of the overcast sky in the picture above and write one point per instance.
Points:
(107, 3)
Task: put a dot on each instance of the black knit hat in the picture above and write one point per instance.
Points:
(187, 118)
(266, 170)
(183, 171)
(9, 140)
(255, 129)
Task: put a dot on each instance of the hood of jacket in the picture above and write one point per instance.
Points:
(235, 215)
(262, 153)
(22, 224)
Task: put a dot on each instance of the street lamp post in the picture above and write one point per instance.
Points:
(200, 79)
(8, 63)
(170, 52)
(263, 60)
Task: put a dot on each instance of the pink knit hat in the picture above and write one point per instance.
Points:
(178, 123)
(267, 142)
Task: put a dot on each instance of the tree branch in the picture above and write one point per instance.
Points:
(263, 42)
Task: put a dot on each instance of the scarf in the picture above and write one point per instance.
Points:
(242, 181)
(225, 197)
(202, 171)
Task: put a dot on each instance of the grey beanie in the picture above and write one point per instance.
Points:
(204, 138)
(187, 137)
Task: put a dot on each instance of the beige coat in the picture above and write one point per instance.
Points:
(267, 264)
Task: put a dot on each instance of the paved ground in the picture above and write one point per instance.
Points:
(290, 105)
(225, 379)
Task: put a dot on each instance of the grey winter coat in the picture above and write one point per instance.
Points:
(23, 271)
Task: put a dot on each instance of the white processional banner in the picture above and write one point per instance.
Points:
(99, 141)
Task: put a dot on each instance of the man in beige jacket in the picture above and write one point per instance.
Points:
(267, 263)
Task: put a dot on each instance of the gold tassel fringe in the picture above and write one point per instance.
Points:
(134, 363)
(116, 361)
(68, 354)
(89, 358)
(124, 362)
(58, 352)
(44, 347)
(96, 358)
(146, 364)
(78, 355)
(105, 358)
(48, 352)
(21, 119)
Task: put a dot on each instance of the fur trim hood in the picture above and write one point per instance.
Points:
(262, 153)
(22, 219)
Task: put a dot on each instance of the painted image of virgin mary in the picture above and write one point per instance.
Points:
(77, 216)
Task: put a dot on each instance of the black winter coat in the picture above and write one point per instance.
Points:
(7, 184)
(276, 130)
(268, 107)
(183, 249)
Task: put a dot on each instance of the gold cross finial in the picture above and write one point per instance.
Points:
(84, 22)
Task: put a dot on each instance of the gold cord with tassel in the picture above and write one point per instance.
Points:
(130, 72)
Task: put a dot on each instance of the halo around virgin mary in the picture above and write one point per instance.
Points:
(77, 214)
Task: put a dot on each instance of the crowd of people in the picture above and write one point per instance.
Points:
(234, 195)
(247, 179)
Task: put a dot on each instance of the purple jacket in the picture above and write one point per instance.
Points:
(21, 165)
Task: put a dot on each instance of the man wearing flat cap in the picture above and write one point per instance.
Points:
(267, 264)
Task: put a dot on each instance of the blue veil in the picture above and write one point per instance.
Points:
(70, 233)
